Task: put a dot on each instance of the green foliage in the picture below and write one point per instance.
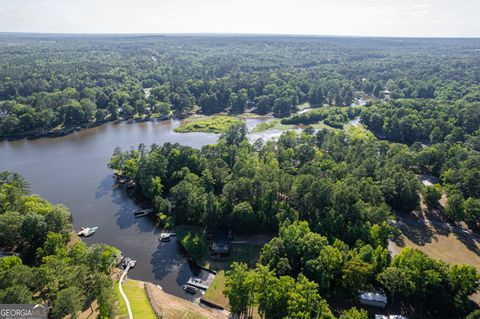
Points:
(215, 124)
(474, 315)
(332, 116)
(195, 246)
(65, 277)
(9, 262)
(298, 250)
(329, 195)
(440, 289)
(235, 134)
(54, 245)
(334, 183)
(239, 288)
(354, 313)
(16, 294)
(431, 196)
(69, 301)
(356, 276)
(422, 120)
(277, 297)
(65, 83)
(472, 211)
(455, 209)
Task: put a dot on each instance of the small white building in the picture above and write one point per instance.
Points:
(387, 95)
(373, 299)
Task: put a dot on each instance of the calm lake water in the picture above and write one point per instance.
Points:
(73, 170)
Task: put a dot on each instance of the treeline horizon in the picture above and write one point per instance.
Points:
(53, 85)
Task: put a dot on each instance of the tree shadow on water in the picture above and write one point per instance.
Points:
(105, 187)
(168, 260)
(124, 205)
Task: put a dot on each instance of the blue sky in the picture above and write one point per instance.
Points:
(440, 18)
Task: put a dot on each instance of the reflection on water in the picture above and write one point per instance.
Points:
(73, 170)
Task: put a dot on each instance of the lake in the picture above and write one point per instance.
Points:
(72, 170)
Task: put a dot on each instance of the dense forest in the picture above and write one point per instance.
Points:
(51, 265)
(330, 196)
(54, 83)
(329, 193)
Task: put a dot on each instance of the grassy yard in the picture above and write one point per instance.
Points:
(215, 294)
(177, 314)
(172, 307)
(211, 124)
(438, 243)
(450, 246)
(274, 124)
(138, 300)
(245, 253)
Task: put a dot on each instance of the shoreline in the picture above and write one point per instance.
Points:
(33, 135)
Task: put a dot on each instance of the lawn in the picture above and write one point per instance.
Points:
(211, 124)
(138, 300)
(246, 253)
(181, 314)
(451, 247)
(214, 293)
(272, 125)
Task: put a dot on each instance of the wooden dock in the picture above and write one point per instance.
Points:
(195, 283)
(142, 212)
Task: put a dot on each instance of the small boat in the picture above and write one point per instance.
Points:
(87, 231)
(132, 263)
(165, 237)
(90, 231)
(82, 231)
(190, 289)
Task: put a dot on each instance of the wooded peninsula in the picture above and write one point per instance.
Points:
(378, 136)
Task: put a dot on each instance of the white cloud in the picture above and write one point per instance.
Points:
(421, 6)
(341, 17)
